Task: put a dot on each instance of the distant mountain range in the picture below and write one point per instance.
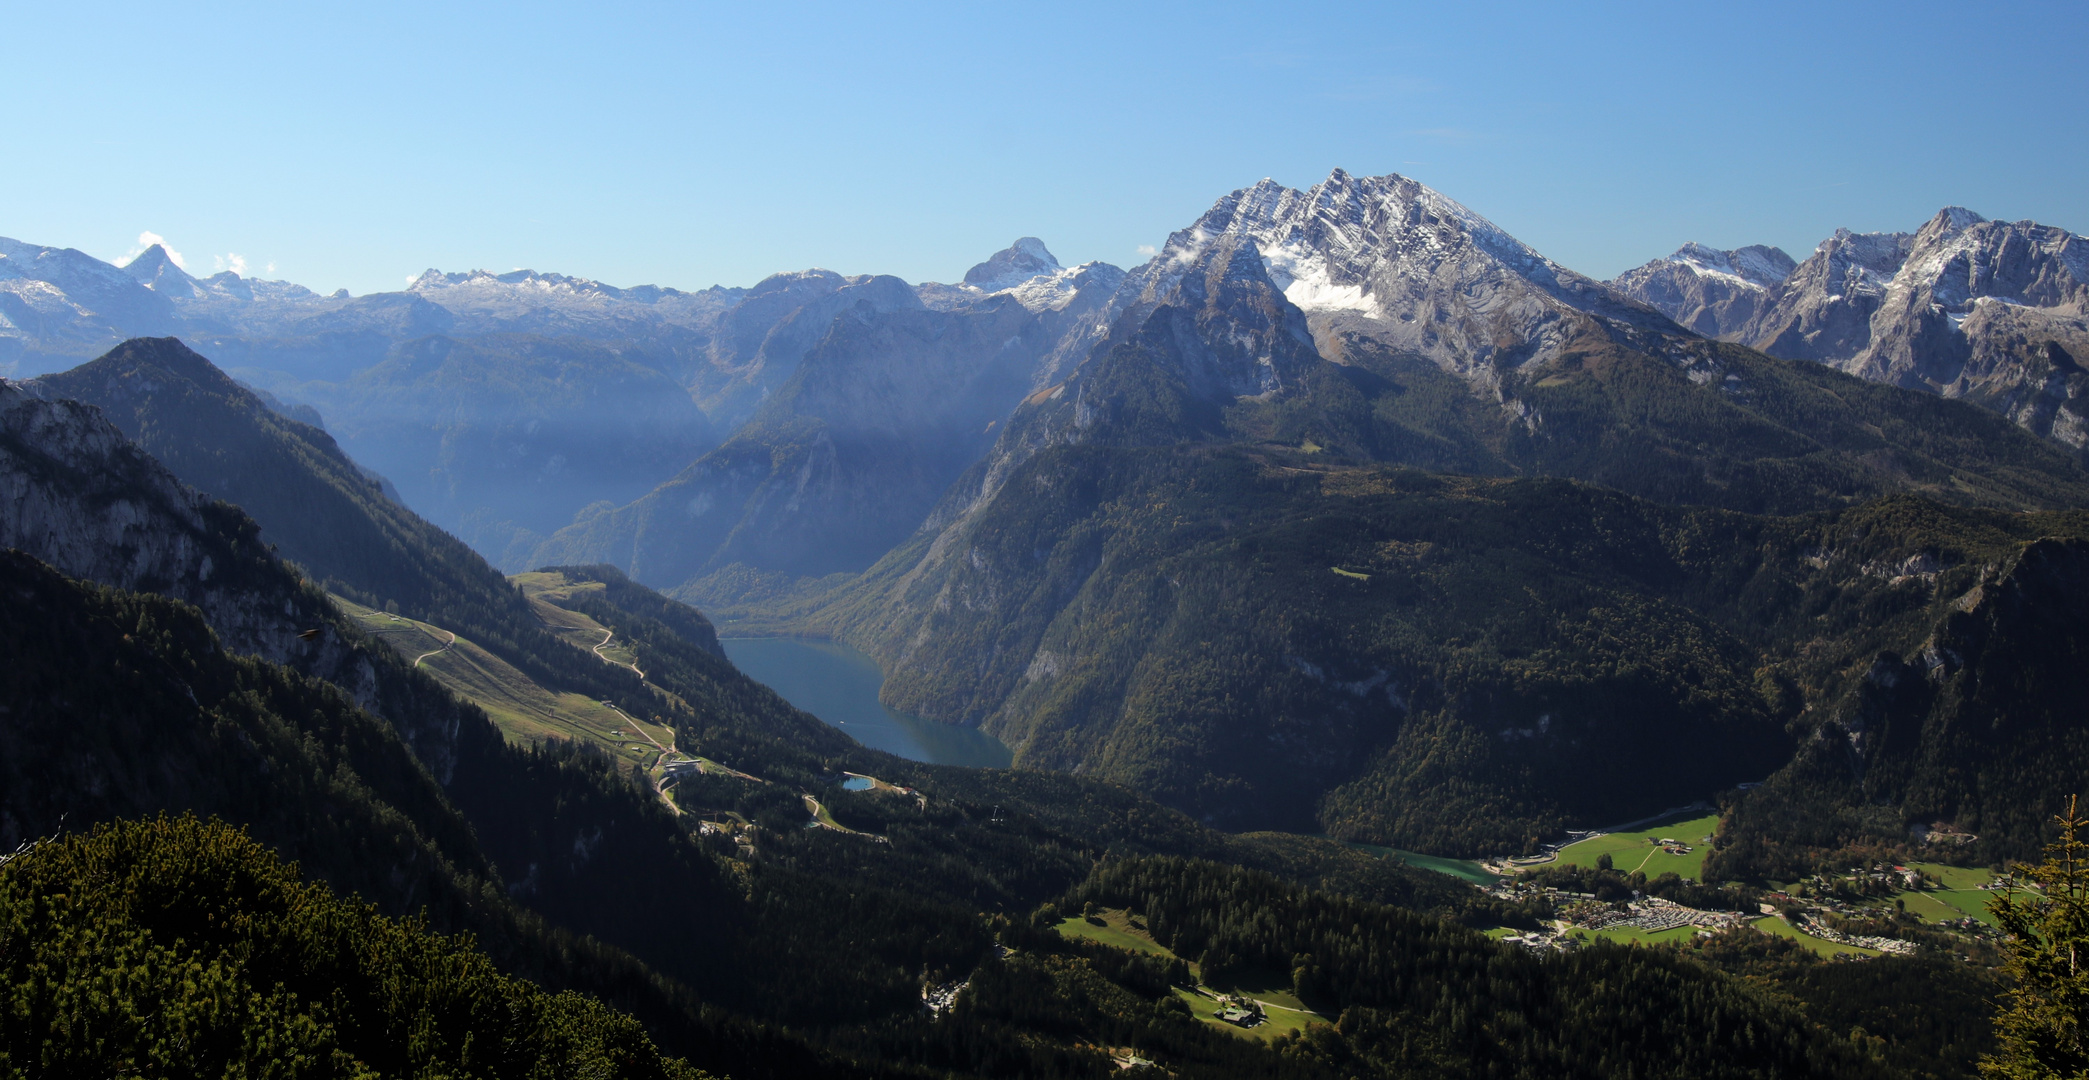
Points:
(1994, 312)
(504, 405)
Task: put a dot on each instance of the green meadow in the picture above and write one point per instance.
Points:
(1281, 1008)
(1638, 850)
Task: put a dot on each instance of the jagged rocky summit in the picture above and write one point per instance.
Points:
(1989, 311)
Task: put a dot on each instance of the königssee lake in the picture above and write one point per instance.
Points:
(840, 685)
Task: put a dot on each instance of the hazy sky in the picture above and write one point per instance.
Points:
(357, 144)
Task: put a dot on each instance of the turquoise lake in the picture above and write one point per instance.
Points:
(840, 686)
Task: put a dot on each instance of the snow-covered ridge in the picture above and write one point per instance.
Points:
(1338, 245)
(433, 283)
(1027, 271)
(1753, 267)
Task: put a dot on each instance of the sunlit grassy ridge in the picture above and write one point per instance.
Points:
(525, 710)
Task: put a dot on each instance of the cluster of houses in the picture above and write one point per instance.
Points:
(1864, 941)
(1651, 914)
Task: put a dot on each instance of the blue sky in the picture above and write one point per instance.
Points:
(357, 144)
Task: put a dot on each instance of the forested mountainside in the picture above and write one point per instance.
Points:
(1989, 311)
(1456, 665)
(833, 933)
(315, 506)
(1963, 722)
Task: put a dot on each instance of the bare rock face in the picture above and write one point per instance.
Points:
(1406, 269)
(1714, 292)
(1959, 265)
(1823, 310)
(1995, 312)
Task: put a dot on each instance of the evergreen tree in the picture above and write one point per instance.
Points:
(2041, 1026)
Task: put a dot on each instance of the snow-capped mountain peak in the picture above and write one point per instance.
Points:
(1754, 266)
(155, 269)
(1012, 266)
(1391, 260)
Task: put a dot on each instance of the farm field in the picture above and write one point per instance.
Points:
(1941, 905)
(1637, 850)
(1205, 1005)
(522, 709)
(1956, 877)
(1960, 895)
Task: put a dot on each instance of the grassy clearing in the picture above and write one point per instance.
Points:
(1969, 878)
(1116, 932)
(541, 589)
(1285, 1012)
(1771, 924)
(1205, 1005)
(823, 816)
(1637, 850)
(524, 710)
(1962, 902)
(1463, 869)
(706, 765)
(1929, 906)
(1959, 896)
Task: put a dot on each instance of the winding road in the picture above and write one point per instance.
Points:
(606, 635)
(436, 652)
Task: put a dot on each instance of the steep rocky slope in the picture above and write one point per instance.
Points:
(1989, 311)
(1707, 290)
(1949, 714)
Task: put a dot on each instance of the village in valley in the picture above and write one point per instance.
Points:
(1642, 884)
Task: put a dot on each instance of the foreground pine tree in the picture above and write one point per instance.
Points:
(2041, 1025)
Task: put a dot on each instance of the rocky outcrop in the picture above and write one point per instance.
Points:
(1995, 312)
(1715, 293)
(1012, 266)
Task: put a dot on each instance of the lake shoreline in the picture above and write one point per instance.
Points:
(840, 685)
